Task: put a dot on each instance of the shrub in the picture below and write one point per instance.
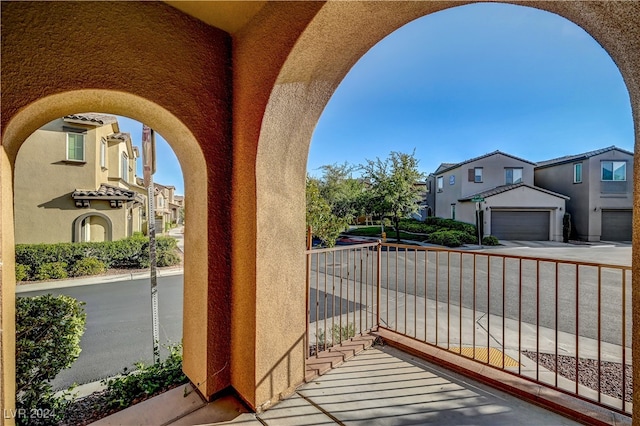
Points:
(435, 224)
(22, 272)
(52, 270)
(146, 380)
(48, 332)
(126, 254)
(490, 240)
(450, 238)
(88, 266)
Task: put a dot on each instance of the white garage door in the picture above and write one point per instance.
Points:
(520, 225)
(616, 225)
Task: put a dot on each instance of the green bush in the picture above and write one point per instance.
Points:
(450, 238)
(88, 266)
(48, 332)
(22, 272)
(147, 380)
(435, 224)
(52, 271)
(490, 240)
(129, 253)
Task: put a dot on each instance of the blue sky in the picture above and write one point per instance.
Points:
(461, 83)
(474, 79)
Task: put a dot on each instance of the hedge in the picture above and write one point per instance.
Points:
(43, 261)
(48, 332)
(444, 232)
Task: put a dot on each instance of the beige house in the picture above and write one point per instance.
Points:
(167, 205)
(75, 181)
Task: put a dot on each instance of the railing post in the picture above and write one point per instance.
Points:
(378, 280)
(308, 289)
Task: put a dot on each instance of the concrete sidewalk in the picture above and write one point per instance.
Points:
(101, 279)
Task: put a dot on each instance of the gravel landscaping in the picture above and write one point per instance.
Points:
(610, 373)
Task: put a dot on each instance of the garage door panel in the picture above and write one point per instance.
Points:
(616, 225)
(520, 225)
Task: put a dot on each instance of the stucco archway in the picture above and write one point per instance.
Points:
(193, 165)
(337, 36)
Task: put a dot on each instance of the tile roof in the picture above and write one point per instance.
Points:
(452, 166)
(93, 118)
(584, 155)
(504, 188)
(107, 192)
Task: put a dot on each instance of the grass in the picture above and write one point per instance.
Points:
(374, 231)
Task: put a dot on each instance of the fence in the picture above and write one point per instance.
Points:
(560, 323)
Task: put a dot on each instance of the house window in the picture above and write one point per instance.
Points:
(75, 147)
(477, 175)
(513, 175)
(452, 180)
(453, 211)
(440, 183)
(614, 170)
(125, 167)
(103, 153)
(577, 173)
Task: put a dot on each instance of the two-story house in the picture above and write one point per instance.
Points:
(167, 205)
(497, 192)
(600, 184)
(75, 181)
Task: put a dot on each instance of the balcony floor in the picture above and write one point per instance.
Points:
(379, 386)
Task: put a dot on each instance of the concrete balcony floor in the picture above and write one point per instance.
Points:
(378, 386)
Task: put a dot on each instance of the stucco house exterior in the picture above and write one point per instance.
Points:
(497, 191)
(75, 181)
(600, 184)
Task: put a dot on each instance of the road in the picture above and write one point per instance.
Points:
(118, 328)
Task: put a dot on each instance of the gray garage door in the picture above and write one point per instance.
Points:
(616, 225)
(520, 225)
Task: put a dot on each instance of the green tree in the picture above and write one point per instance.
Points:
(341, 191)
(324, 224)
(392, 183)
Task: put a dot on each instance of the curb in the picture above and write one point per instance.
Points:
(51, 285)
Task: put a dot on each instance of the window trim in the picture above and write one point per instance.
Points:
(440, 183)
(75, 160)
(602, 162)
(124, 167)
(576, 178)
(103, 153)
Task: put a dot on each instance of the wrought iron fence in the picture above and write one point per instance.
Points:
(560, 323)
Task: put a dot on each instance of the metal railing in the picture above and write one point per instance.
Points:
(560, 323)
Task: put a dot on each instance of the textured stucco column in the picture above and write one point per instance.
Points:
(7, 291)
(150, 62)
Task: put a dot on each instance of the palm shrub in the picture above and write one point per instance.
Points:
(48, 332)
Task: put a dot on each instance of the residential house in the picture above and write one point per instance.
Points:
(600, 184)
(167, 206)
(75, 181)
(497, 192)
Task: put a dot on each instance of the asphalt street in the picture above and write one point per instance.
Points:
(118, 328)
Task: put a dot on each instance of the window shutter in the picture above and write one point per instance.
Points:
(472, 175)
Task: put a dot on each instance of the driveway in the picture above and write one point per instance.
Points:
(604, 252)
